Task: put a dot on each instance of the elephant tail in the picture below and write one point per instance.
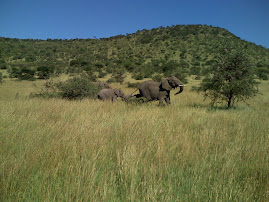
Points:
(134, 91)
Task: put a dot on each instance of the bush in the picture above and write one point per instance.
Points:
(44, 72)
(3, 66)
(13, 72)
(157, 77)
(133, 85)
(27, 74)
(119, 75)
(77, 88)
(89, 75)
(22, 74)
(138, 75)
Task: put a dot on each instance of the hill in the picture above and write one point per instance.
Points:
(182, 48)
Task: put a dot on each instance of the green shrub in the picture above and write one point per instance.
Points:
(22, 74)
(133, 85)
(138, 75)
(3, 66)
(77, 88)
(44, 72)
(27, 74)
(119, 75)
(157, 77)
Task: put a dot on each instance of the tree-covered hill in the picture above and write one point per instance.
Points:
(182, 49)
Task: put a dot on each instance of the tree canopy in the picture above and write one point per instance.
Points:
(231, 78)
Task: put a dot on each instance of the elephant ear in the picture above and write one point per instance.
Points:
(165, 85)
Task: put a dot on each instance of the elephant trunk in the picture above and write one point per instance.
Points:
(181, 88)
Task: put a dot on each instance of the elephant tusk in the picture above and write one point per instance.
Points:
(182, 85)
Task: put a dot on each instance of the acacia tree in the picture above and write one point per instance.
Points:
(231, 78)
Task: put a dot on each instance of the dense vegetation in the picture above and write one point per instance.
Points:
(180, 50)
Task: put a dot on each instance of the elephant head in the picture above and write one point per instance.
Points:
(119, 93)
(171, 83)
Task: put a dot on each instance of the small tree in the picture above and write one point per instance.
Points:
(44, 72)
(119, 75)
(231, 78)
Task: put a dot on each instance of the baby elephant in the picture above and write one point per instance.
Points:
(110, 94)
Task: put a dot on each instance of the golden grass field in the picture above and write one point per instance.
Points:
(60, 150)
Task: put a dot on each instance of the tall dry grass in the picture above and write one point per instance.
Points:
(59, 150)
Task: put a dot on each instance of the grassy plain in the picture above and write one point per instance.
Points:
(60, 150)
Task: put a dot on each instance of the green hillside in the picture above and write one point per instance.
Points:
(182, 48)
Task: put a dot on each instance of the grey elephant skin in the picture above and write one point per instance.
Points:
(110, 94)
(153, 90)
(102, 85)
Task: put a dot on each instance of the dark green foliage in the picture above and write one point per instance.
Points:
(1, 77)
(22, 74)
(119, 75)
(77, 88)
(138, 75)
(27, 74)
(189, 48)
(89, 75)
(144, 39)
(231, 79)
(157, 77)
(44, 72)
(101, 74)
(14, 72)
(181, 75)
(262, 70)
(30, 59)
(133, 85)
(3, 64)
(79, 63)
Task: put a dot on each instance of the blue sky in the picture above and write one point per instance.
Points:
(65, 19)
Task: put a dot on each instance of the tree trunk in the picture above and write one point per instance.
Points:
(230, 97)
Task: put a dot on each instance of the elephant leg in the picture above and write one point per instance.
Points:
(146, 94)
(161, 101)
(167, 100)
(114, 99)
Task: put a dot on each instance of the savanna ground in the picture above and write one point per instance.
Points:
(60, 150)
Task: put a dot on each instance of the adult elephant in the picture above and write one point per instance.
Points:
(153, 90)
(110, 94)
